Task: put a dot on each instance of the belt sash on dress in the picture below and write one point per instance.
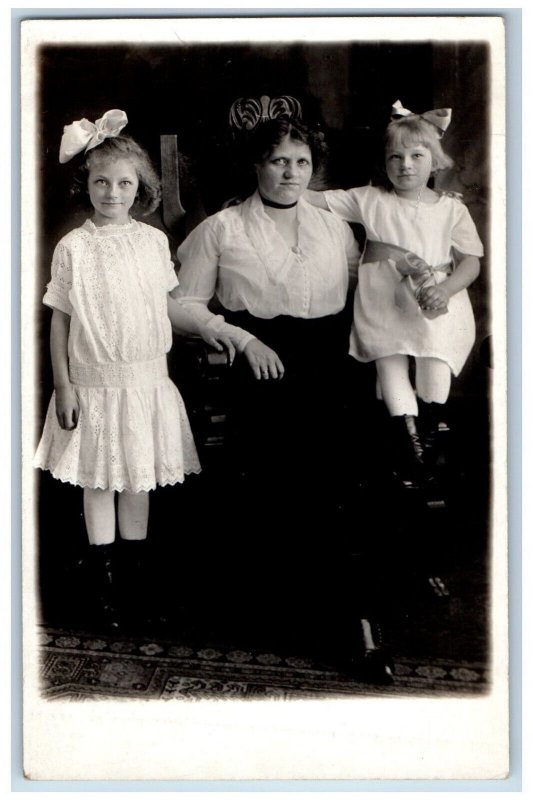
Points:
(416, 273)
(119, 374)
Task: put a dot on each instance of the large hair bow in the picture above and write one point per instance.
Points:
(439, 117)
(248, 112)
(84, 135)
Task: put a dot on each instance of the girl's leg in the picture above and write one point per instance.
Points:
(395, 386)
(133, 515)
(400, 400)
(433, 380)
(99, 509)
(137, 583)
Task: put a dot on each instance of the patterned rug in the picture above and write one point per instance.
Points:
(79, 667)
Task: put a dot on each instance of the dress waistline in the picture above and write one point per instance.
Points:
(316, 339)
(119, 374)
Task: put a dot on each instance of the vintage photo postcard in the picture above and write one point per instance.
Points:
(264, 399)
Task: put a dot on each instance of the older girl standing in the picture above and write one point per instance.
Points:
(116, 424)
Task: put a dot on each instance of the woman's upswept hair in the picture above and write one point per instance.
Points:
(413, 130)
(113, 149)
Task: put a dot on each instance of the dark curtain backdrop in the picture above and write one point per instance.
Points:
(187, 90)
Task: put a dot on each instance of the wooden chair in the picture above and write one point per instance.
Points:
(198, 369)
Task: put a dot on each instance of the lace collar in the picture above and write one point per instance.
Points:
(109, 230)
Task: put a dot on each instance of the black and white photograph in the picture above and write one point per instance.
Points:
(264, 398)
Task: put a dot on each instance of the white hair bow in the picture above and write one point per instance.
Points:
(84, 135)
(439, 117)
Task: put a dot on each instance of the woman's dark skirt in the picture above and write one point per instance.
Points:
(296, 445)
(288, 436)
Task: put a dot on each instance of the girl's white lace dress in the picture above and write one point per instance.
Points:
(133, 431)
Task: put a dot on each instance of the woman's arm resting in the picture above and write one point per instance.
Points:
(195, 319)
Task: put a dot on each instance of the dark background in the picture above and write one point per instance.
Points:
(187, 90)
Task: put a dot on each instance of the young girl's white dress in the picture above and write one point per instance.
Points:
(430, 230)
(133, 431)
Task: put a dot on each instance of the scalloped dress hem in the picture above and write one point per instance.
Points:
(120, 488)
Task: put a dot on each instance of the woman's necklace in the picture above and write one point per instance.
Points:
(272, 204)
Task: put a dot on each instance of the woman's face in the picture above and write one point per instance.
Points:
(283, 175)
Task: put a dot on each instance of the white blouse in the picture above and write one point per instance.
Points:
(238, 256)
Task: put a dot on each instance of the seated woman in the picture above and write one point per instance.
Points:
(280, 271)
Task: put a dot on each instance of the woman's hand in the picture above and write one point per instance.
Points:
(434, 298)
(265, 363)
(220, 343)
(67, 407)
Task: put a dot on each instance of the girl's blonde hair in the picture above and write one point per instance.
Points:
(412, 130)
(113, 149)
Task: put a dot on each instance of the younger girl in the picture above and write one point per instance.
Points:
(422, 252)
(116, 422)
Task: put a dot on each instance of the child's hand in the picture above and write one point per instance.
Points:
(219, 342)
(433, 298)
(67, 407)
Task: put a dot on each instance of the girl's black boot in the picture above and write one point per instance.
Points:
(140, 590)
(103, 576)
(407, 451)
(133, 572)
(434, 430)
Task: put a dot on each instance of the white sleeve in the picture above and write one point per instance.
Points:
(344, 203)
(465, 237)
(198, 274)
(58, 290)
(353, 253)
(171, 270)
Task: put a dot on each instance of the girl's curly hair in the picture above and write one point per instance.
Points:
(112, 149)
